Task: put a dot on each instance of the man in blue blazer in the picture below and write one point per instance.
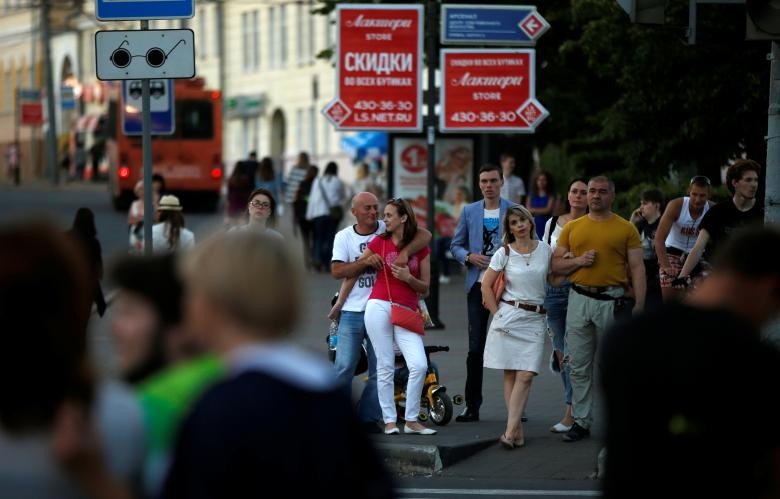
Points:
(477, 238)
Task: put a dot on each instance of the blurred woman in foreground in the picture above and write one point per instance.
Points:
(280, 420)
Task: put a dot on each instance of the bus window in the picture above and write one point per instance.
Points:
(195, 118)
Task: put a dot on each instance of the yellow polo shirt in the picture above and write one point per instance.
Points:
(611, 239)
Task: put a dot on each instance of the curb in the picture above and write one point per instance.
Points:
(409, 459)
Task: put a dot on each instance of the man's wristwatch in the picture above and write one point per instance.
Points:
(466, 260)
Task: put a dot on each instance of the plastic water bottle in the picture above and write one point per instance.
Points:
(333, 335)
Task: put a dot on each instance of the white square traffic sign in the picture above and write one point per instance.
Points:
(132, 55)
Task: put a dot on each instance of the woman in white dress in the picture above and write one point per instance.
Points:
(515, 341)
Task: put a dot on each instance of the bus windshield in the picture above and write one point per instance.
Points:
(194, 120)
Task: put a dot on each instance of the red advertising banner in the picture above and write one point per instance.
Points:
(31, 113)
(489, 90)
(379, 68)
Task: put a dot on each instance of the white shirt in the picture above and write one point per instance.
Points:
(334, 190)
(513, 189)
(160, 239)
(556, 231)
(685, 230)
(348, 245)
(525, 283)
(249, 227)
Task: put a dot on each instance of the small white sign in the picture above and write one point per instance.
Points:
(132, 55)
(158, 95)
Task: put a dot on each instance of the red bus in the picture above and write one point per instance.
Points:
(190, 160)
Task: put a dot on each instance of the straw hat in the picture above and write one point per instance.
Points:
(169, 202)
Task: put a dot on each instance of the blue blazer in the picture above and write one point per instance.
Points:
(468, 235)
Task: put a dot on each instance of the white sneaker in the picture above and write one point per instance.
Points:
(560, 428)
(443, 279)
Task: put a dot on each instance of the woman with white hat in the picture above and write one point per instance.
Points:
(169, 234)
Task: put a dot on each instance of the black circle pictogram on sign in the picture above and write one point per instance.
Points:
(155, 57)
(121, 58)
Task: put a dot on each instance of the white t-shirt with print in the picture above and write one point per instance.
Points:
(348, 245)
(491, 234)
(525, 274)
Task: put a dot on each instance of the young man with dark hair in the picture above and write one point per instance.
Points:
(477, 237)
(726, 218)
(646, 219)
(713, 362)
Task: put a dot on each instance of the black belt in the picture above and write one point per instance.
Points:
(539, 309)
(597, 293)
(674, 251)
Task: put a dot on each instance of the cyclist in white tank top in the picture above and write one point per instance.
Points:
(686, 228)
(678, 230)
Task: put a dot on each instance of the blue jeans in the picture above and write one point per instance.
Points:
(557, 302)
(352, 330)
(324, 232)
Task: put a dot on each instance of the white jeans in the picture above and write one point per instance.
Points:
(382, 333)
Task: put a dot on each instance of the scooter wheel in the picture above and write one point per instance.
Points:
(457, 399)
(441, 412)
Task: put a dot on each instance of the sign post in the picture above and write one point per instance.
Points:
(489, 90)
(145, 55)
(378, 68)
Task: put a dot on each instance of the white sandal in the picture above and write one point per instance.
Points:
(560, 428)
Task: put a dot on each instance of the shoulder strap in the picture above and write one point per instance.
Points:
(553, 222)
(322, 190)
(506, 251)
(384, 267)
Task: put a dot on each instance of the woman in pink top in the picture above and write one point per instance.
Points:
(404, 283)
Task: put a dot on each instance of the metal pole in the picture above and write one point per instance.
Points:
(772, 193)
(692, 22)
(51, 133)
(147, 147)
(430, 101)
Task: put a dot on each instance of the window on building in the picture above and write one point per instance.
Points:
(301, 34)
(283, 36)
(245, 40)
(313, 130)
(299, 130)
(330, 31)
(312, 36)
(8, 99)
(272, 37)
(255, 40)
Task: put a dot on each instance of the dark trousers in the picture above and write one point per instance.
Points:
(478, 321)
(322, 249)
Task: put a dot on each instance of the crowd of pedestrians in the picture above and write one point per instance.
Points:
(202, 332)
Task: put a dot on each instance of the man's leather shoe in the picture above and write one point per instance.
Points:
(576, 433)
(468, 416)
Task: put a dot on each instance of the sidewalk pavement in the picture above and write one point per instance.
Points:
(466, 449)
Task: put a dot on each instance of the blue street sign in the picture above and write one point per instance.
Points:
(139, 10)
(161, 107)
(67, 98)
(492, 25)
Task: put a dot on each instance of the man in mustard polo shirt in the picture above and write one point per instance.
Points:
(594, 250)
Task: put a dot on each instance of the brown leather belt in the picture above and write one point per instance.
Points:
(539, 309)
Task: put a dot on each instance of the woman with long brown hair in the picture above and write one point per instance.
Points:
(169, 234)
(398, 286)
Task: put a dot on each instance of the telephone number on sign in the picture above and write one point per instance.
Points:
(384, 105)
(483, 117)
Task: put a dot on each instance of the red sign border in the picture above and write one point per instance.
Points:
(531, 91)
(418, 127)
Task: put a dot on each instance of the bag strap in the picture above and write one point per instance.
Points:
(322, 190)
(384, 267)
(553, 222)
(506, 251)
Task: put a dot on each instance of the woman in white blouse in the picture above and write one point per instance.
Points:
(515, 341)
(169, 234)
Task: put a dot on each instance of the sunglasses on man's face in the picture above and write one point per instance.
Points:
(700, 180)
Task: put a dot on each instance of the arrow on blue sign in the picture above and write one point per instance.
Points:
(492, 25)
